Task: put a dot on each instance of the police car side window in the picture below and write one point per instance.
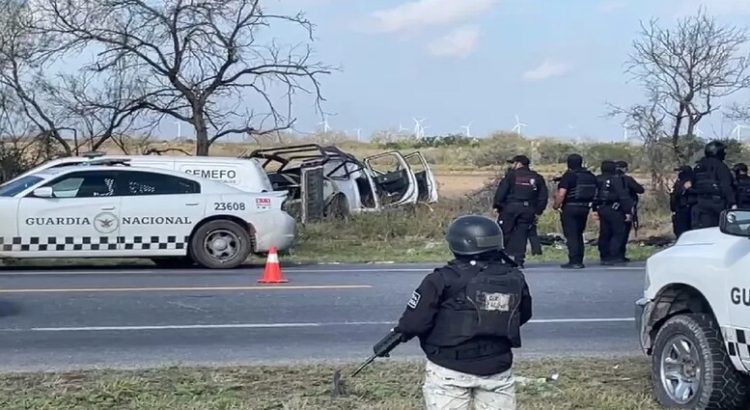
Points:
(84, 185)
(146, 183)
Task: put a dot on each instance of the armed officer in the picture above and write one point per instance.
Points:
(575, 194)
(467, 316)
(742, 185)
(634, 189)
(681, 201)
(520, 199)
(712, 187)
(613, 207)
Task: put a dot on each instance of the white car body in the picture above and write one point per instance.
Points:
(244, 174)
(711, 265)
(131, 219)
(377, 182)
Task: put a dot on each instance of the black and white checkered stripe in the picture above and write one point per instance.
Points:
(89, 243)
(738, 347)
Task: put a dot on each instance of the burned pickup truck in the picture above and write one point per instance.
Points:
(324, 181)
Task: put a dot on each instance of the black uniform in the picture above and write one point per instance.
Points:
(742, 186)
(580, 184)
(712, 190)
(521, 196)
(680, 202)
(471, 336)
(613, 203)
(634, 189)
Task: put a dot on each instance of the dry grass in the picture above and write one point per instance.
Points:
(611, 384)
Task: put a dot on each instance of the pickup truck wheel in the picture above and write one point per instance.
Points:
(691, 368)
(220, 244)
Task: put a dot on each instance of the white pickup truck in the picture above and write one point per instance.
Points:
(694, 317)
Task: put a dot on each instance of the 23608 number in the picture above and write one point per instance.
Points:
(229, 206)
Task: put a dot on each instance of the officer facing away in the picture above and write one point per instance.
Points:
(468, 315)
(634, 189)
(575, 194)
(742, 185)
(520, 199)
(712, 187)
(680, 201)
(613, 207)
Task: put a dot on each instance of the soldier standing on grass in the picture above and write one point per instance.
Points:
(575, 195)
(634, 189)
(520, 199)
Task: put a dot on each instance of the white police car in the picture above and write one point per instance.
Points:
(101, 211)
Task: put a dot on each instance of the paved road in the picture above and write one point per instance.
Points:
(132, 318)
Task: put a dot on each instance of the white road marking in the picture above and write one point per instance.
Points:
(258, 270)
(269, 325)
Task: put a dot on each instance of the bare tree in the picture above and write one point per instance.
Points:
(201, 61)
(103, 109)
(22, 67)
(686, 70)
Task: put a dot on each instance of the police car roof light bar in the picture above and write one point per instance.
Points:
(93, 154)
(108, 161)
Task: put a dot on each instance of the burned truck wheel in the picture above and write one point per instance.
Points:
(691, 368)
(220, 244)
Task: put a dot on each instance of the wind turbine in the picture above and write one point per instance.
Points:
(358, 134)
(468, 129)
(518, 126)
(179, 129)
(324, 123)
(737, 131)
(418, 128)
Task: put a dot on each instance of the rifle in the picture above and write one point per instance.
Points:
(382, 348)
(636, 222)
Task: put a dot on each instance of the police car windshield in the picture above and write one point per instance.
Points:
(14, 187)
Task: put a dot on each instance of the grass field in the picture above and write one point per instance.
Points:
(600, 384)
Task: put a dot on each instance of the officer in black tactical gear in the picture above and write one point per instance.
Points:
(613, 207)
(575, 194)
(712, 187)
(467, 316)
(681, 201)
(634, 189)
(520, 199)
(741, 185)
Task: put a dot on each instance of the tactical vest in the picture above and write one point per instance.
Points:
(585, 189)
(607, 188)
(524, 186)
(743, 191)
(706, 181)
(484, 301)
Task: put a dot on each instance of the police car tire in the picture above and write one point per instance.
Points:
(721, 385)
(200, 255)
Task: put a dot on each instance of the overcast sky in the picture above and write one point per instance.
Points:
(555, 63)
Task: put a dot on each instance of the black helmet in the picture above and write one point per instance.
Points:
(474, 234)
(740, 167)
(715, 149)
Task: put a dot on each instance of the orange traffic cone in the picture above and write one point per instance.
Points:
(272, 273)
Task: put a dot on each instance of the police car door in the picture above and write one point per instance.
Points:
(394, 179)
(80, 219)
(159, 212)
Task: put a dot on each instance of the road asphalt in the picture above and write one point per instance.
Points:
(135, 317)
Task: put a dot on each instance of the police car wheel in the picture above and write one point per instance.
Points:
(220, 244)
(691, 368)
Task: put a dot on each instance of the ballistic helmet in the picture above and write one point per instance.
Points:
(474, 234)
(715, 149)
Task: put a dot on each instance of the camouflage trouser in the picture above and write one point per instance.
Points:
(446, 389)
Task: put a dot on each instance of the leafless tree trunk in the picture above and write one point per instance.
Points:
(201, 61)
(687, 69)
